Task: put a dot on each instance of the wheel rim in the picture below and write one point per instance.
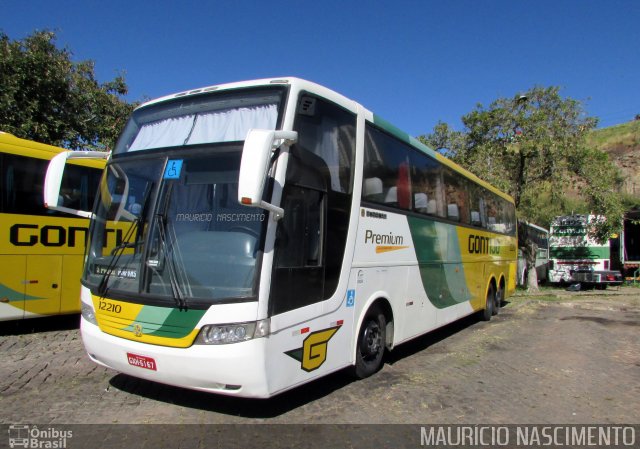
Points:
(371, 342)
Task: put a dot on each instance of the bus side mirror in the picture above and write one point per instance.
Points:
(254, 166)
(53, 179)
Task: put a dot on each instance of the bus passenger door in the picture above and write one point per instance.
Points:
(299, 272)
(43, 278)
(12, 287)
(310, 246)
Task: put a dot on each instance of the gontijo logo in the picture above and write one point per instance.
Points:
(478, 244)
(25, 234)
(314, 349)
(384, 242)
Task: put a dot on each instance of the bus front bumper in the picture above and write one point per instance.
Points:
(236, 369)
(598, 277)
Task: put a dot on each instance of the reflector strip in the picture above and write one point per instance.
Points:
(304, 330)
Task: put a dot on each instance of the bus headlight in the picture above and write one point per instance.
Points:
(88, 313)
(222, 334)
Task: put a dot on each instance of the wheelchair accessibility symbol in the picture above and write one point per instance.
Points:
(174, 167)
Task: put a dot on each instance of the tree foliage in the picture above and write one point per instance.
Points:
(47, 97)
(534, 147)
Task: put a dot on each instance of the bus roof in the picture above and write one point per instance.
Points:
(24, 147)
(304, 85)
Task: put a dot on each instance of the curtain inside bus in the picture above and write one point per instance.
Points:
(218, 126)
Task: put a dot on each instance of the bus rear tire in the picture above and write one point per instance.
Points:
(371, 344)
(489, 304)
(499, 297)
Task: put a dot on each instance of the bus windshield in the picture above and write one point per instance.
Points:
(171, 214)
(179, 231)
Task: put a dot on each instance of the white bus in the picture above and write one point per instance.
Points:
(576, 257)
(277, 232)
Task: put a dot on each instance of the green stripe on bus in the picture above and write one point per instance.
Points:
(179, 323)
(579, 252)
(434, 244)
(403, 136)
(13, 295)
(167, 322)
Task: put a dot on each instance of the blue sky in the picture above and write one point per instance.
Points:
(411, 62)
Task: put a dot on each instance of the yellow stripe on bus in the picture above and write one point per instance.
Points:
(124, 319)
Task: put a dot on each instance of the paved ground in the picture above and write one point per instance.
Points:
(558, 357)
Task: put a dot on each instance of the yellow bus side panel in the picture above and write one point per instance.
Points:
(41, 259)
(44, 274)
(486, 256)
(12, 286)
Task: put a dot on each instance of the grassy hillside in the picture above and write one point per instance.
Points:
(624, 136)
(622, 143)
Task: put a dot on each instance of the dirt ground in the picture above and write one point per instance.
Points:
(554, 357)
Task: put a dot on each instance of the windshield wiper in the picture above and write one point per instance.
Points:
(118, 250)
(161, 223)
(179, 297)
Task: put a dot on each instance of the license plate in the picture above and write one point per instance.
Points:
(141, 361)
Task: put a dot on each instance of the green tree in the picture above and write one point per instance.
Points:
(445, 140)
(534, 147)
(47, 97)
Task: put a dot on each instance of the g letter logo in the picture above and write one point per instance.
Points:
(314, 349)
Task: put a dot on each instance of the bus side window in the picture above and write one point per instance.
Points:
(8, 194)
(387, 169)
(478, 212)
(492, 212)
(79, 186)
(328, 134)
(426, 180)
(23, 179)
(456, 197)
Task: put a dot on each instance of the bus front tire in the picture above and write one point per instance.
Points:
(370, 344)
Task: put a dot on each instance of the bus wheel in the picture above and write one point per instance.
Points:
(498, 300)
(371, 344)
(489, 304)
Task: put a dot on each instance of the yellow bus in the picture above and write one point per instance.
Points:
(41, 251)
